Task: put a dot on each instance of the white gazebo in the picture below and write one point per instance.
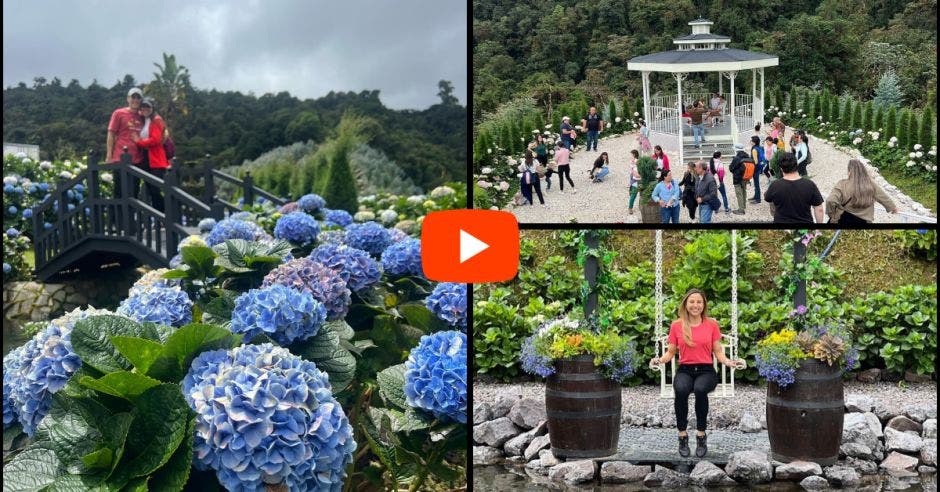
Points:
(703, 51)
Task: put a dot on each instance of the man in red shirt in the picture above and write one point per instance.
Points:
(124, 123)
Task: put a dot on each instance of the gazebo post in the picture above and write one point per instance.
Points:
(734, 122)
(754, 94)
(761, 95)
(646, 97)
(680, 76)
(721, 84)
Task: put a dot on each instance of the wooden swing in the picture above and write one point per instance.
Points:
(729, 342)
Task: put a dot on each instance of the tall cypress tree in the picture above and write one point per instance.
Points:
(778, 100)
(867, 117)
(638, 108)
(791, 103)
(879, 121)
(340, 189)
(925, 137)
(857, 116)
(846, 115)
(824, 105)
(891, 125)
(904, 122)
(833, 110)
(816, 106)
(612, 114)
(912, 136)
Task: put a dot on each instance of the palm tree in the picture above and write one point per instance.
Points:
(170, 87)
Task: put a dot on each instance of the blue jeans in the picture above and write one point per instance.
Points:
(669, 214)
(724, 195)
(591, 137)
(757, 184)
(599, 175)
(705, 213)
(699, 132)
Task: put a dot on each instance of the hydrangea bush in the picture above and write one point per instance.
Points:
(403, 258)
(300, 229)
(158, 304)
(436, 375)
(234, 228)
(449, 302)
(326, 286)
(355, 266)
(370, 237)
(284, 314)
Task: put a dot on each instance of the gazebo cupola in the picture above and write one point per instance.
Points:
(701, 38)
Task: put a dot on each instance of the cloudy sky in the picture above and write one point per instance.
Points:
(307, 48)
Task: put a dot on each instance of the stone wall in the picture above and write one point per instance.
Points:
(36, 301)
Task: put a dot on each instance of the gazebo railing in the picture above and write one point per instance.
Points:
(664, 111)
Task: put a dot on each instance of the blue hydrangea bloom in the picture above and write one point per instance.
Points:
(232, 228)
(355, 266)
(403, 258)
(46, 226)
(265, 416)
(284, 314)
(332, 236)
(240, 216)
(321, 281)
(153, 278)
(8, 188)
(397, 235)
(44, 187)
(35, 371)
(370, 237)
(297, 228)
(27, 213)
(12, 232)
(206, 225)
(311, 203)
(159, 304)
(80, 188)
(7, 268)
(449, 302)
(12, 210)
(436, 375)
(339, 218)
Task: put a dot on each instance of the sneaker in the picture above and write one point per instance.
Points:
(574, 192)
(727, 211)
(701, 445)
(755, 201)
(738, 212)
(631, 211)
(684, 450)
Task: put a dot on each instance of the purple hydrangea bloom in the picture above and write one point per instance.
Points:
(370, 237)
(398, 235)
(311, 203)
(339, 218)
(284, 314)
(297, 228)
(355, 266)
(265, 416)
(158, 304)
(436, 375)
(232, 228)
(321, 281)
(403, 258)
(289, 208)
(35, 371)
(449, 302)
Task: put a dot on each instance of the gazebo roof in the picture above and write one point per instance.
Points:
(699, 37)
(675, 61)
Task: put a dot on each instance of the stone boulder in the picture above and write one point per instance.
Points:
(750, 466)
(869, 376)
(904, 424)
(503, 405)
(495, 433)
(926, 470)
(547, 459)
(482, 412)
(664, 477)
(862, 466)
(842, 476)
(518, 444)
(573, 472)
(857, 428)
(749, 423)
(537, 444)
(797, 470)
(930, 429)
(814, 483)
(857, 450)
(707, 473)
(904, 442)
(884, 413)
(527, 413)
(486, 455)
(859, 403)
(899, 462)
(623, 472)
(922, 412)
(928, 453)
(913, 377)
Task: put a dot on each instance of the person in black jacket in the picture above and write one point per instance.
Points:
(737, 177)
(706, 193)
(688, 190)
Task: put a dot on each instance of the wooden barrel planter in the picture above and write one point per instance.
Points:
(649, 212)
(583, 409)
(804, 420)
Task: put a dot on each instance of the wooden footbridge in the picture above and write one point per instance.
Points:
(120, 227)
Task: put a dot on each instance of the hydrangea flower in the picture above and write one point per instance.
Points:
(403, 258)
(13, 233)
(191, 240)
(153, 278)
(397, 235)
(241, 216)
(159, 304)
(297, 228)
(284, 314)
(321, 281)
(355, 266)
(312, 202)
(265, 416)
(436, 375)
(364, 216)
(206, 225)
(35, 371)
(370, 237)
(333, 236)
(339, 218)
(289, 208)
(388, 217)
(232, 228)
(449, 302)
(7, 268)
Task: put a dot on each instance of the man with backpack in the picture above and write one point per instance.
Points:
(757, 154)
(742, 170)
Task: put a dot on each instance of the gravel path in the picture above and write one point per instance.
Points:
(606, 202)
(642, 404)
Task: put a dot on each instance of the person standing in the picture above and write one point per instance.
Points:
(714, 104)
(644, 138)
(634, 179)
(796, 200)
(568, 135)
(666, 194)
(592, 124)
(689, 180)
(801, 150)
(540, 149)
(531, 180)
(852, 200)
(760, 162)
(150, 140)
(737, 168)
(562, 159)
(770, 148)
(124, 123)
(697, 338)
(697, 115)
(706, 193)
(662, 160)
(717, 168)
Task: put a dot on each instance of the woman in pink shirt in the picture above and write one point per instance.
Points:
(698, 339)
(562, 159)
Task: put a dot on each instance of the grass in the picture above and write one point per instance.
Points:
(916, 188)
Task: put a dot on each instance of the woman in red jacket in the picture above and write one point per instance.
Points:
(151, 139)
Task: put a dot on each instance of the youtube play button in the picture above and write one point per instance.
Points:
(470, 246)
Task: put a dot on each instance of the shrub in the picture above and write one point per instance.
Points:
(921, 243)
(553, 280)
(925, 137)
(706, 265)
(646, 166)
(498, 331)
